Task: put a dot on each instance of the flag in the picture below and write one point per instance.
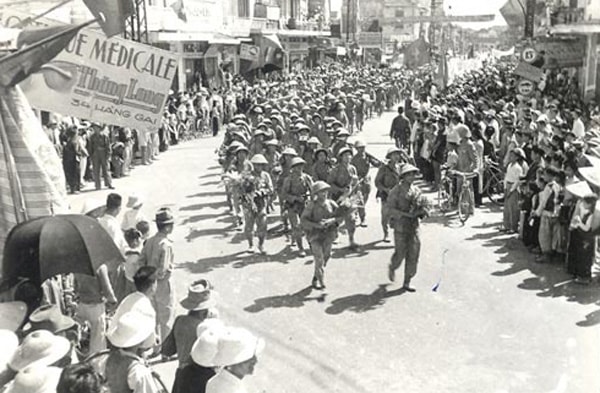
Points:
(417, 54)
(35, 52)
(31, 176)
(272, 53)
(179, 9)
(111, 14)
(513, 13)
(441, 76)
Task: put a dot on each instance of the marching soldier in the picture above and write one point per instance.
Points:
(362, 162)
(101, 151)
(256, 189)
(286, 158)
(320, 223)
(344, 183)
(406, 208)
(340, 142)
(388, 176)
(322, 165)
(296, 189)
(239, 166)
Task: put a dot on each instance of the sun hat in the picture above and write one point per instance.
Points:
(463, 131)
(591, 175)
(205, 347)
(344, 150)
(391, 151)
(343, 132)
(519, 153)
(272, 142)
(200, 296)
(408, 168)
(314, 140)
(258, 159)
(9, 343)
(580, 189)
(242, 148)
(135, 201)
(48, 317)
(319, 186)
(12, 315)
(35, 379)
(130, 329)
(39, 348)
(296, 161)
(290, 151)
(235, 346)
(359, 143)
(164, 216)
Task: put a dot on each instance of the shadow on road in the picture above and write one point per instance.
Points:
(207, 194)
(209, 205)
(290, 300)
(549, 280)
(360, 303)
(210, 183)
(200, 217)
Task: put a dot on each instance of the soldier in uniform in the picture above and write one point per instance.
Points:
(362, 162)
(388, 176)
(340, 142)
(308, 155)
(320, 223)
(286, 158)
(100, 151)
(256, 189)
(239, 166)
(406, 208)
(295, 192)
(322, 165)
(343, 180)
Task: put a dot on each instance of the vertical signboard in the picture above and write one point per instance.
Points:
(529, 18)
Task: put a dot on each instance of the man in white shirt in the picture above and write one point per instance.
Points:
(110, 223)
(578, 126)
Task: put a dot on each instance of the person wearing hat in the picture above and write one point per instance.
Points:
(400, 130)
(72, 152)
(239, 166)
(158, 252)
(308, 154)
(516, 168)
(388, 176)
(405, 221)
(468, 162)
(200, 302)
(9, 342)
(133, 214)
(35, 379)
(236, 357)
(320, 221)
(49, 317)
(286, 158)
(344, 183)
(340, 142)
(100, 150)
(126, 371)
(41, 348)
(256, 190)
(582, 239)
(362, 162)
(295, 192)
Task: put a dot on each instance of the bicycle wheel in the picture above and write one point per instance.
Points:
(464, 205)
(494, 189)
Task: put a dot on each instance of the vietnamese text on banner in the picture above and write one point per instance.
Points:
(109, 80)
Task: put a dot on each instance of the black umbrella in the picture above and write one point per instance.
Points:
(42, 248)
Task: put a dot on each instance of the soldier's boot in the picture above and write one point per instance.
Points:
(301, 251)
(261, 245)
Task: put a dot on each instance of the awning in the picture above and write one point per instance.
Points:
(579, 28)
(210, 37)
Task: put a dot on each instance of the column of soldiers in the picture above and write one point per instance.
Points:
(297, 164)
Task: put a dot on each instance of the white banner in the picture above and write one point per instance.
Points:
(113, 81)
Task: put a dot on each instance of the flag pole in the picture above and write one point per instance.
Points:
(29, 20)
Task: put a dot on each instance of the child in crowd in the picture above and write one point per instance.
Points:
(127, 270)
(144, 228)
(580, 256)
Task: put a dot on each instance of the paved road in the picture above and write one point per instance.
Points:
(498, 323)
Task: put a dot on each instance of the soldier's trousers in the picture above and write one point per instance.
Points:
(321, 251)
(164, 304)
(385, 217)
(255, 218)
(365, 190)
(294, 218)
(100, 166)
(407, 248)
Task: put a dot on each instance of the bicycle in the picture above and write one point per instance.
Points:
(494, 182)
(446, 199)
(466, 203)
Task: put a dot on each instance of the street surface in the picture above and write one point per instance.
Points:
(498, 322)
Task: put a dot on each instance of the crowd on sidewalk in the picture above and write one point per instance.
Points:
(294, 144)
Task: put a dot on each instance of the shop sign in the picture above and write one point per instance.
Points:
(525, 87)
(528, 71)
(369, 40)
(113, 81)
(249, 52)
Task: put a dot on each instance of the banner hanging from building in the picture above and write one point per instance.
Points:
(113, 81)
